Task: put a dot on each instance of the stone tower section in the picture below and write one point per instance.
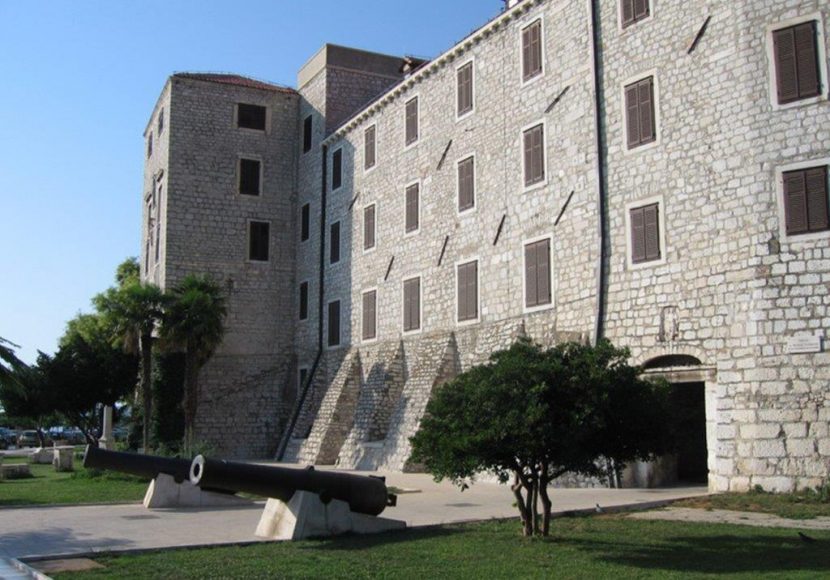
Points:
(220, 193)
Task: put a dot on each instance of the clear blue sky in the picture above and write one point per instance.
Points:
(80, 79)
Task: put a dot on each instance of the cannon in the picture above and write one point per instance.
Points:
(148, 466)
(364, 494)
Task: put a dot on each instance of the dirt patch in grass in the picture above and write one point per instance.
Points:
(801, 505)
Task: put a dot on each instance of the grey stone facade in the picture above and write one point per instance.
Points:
(714, 313)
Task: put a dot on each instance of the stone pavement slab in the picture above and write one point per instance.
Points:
(732, 517)
(67, 530)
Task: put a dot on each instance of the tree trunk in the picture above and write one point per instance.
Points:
(527, 529)
(546, 503)
(535, 506)
(146, 386)
(191, 394)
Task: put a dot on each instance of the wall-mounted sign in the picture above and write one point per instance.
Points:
(804, 344)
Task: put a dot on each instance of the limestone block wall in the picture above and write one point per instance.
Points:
(154, 191)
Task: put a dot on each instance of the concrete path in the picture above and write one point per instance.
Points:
(58, 531)
(733, 517)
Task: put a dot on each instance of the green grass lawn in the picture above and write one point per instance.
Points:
(800, 506)
(587, 547)
(50, 487)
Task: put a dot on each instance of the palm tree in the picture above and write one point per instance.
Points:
(7, 357)
(194, 321)
(133, 311)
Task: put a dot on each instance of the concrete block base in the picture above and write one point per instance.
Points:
(63, 458)
(42, 455)
(164, 492)
(305, 516)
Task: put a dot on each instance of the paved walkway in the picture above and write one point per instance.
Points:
(733, 517)
(58, 531)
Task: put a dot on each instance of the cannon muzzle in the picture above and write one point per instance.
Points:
(148, 466)
(364, 494)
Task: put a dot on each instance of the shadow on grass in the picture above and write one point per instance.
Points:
(352, 542)
(715, 554)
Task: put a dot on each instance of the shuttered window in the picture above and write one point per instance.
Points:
(532, 50)
(412, 305)
(465, 89)
(413, 194)
(466, 184)
(467, 291)
(796, 62)
(303, 300)
(334, 245)
(645, 233)
(370, 301)
(249, 171)
(639, 107)
(307, 136)
(334, 323)
(305, 222)
(259, 236)
(805, 201)
(369, 227)
(534, 155)
(369, 147)
(634, 11)
(411, 121)
(250, 116)
(537, 274)
(337, 169)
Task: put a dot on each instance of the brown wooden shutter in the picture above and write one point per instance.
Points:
(543, 293)
(632, 107)
(465, 89)
(816, 187)
(412, 217)
(646, 99)
(786, 71)
(334, 246)
(369, 148)
(412, 121)
(369, 315)
(651, 232)
(806, 57)
(303, 300)
(638, 235)
(795, 202)
(640, 9)
(412, 304)
(334, 323)
(337, 169)
(531, 275)
(627, 12)
(532, 50)
(468, 291)
(526, 43)
(466, 184)
(369, 227)
(534, 155)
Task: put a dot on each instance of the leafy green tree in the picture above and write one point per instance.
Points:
(194, 322)
(532, 414)
(8, 360)
(24, 395)
(132, 313)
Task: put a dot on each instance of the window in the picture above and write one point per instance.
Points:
(412, 208)
(337, 169)
(639, 111)
(304, 301)
(334, 246)
(537, 274)
(250, 117)
(412, 121)
(370, 302)
(465, 89)
(467, 279)
(805, 200)
(466, 184)
(150, 145)
(369, 147)
(412, 305)
(305, 222)
(334, 323)
(797, 73)
(634, 11)
(307, 134)
(259, 237)
(369, 227)
(645, 233)
(303, 375)
(532, 51)
(249, 176)
(534, 155)
(161, 121)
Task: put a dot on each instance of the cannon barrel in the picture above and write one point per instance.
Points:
(148, 466)
(364, 494)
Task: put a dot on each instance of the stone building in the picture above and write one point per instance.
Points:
(649, 171)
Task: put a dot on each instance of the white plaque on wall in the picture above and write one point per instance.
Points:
(804, 344)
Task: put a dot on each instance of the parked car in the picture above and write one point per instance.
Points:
(28, 438)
